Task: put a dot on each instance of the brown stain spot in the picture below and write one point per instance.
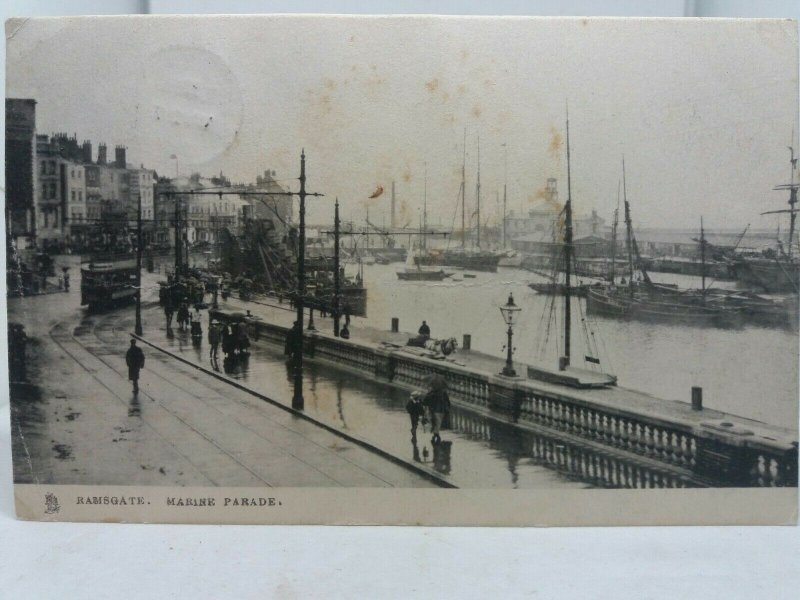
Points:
(432, 85)
(352, 39)
(556, 143)
(536, 196)
(461, 89)
(477, 111)
(404, 216)
(445, 96)
(488, 83)
(326, 104)
(329, 84)
(407, 175)
(464, 54)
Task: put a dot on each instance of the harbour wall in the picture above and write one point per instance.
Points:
(595, 434)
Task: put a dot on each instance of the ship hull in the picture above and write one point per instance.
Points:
(619, 304)
(771, 276)
(473, 262)
(420, 275)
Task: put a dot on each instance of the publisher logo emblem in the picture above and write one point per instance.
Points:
(51, 504)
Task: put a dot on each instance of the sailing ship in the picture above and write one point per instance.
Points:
(567, 373)
(642, 299)
(475, 258)
(777, 270)
(413, 271)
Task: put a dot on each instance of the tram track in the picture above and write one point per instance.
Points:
(106, 334)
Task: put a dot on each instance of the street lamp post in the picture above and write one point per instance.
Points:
(509, 311)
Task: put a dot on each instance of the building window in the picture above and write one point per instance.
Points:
(51, 167)
(72, 173)
(72, 194)
(80, 195)
(43, 167)
(80, 174)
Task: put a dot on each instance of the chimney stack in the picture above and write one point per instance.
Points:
(119, 157)
(101, 154)
(86, 153)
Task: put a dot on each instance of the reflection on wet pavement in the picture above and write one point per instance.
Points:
(478, 452)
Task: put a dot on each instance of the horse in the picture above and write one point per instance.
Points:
(446, 346)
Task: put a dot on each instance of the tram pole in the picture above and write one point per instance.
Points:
(337, 284)
(298, 402)
(138, 327)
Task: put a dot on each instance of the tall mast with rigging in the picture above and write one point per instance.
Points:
(568, 251)
(792, 186)
(628, 228)
(478, 198)
(612, 274)
(424, 240)
(464, 193)
(703, 258)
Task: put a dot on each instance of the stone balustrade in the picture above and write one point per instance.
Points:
(612, 446)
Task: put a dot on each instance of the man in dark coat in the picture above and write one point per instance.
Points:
(416, 410)
(294, 339)
(424, 330)
(135, 361)
(438, 403)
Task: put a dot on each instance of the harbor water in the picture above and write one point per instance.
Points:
(750, 371)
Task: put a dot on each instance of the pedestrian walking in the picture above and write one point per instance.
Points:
(169, 310)
(228, 341)
(135, 361)
(416, 411)
(294, 338)
(242, 339)
(438, 403)
(196, 324)
(213, 340)
(183, 315)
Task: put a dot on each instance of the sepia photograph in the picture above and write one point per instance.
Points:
(397, 270)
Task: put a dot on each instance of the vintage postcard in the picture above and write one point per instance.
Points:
(403, 270)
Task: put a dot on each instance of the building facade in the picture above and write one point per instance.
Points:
(21, 170)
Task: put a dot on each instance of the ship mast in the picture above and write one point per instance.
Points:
(505, 190)
(424, 240)
(628, 228)
(612, 272)
(568, 251)
(792, 186)
(464, 193)
(792, 201)
(478, 198)
(703, 258)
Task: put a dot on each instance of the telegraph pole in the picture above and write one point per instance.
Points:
(178, 239)
(337, 283)
(297, 397)
(138, 327)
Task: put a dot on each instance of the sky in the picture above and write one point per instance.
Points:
(702, 110)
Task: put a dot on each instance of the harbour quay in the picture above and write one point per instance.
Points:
(614, 436)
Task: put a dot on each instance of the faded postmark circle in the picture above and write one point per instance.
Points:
(192, 104)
